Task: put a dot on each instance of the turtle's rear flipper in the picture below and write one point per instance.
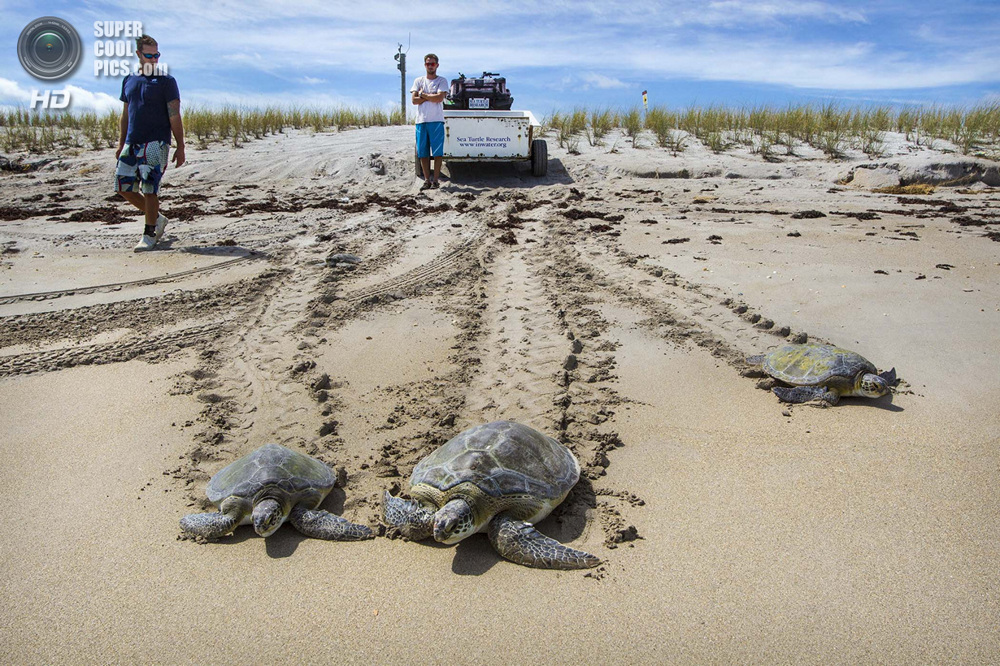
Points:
(412, 520)
(325, 525)
(520, 542)
(889, 376)
(209, 525)
(801, 394)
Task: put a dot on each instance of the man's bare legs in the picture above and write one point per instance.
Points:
(425, 166)
(147, 203)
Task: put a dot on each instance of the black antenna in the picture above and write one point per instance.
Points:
(400, 58)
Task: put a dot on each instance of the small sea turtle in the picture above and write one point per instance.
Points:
(822, 372)
(499, 478)
(268, 486)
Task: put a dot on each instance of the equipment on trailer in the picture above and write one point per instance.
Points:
(486, 93)
(480, 127)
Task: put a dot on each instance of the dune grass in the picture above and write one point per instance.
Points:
(22, 130)
(775, 131)
(769, 131)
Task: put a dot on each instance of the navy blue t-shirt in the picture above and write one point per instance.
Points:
(147, 98)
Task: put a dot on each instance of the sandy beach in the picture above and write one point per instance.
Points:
(609, 304)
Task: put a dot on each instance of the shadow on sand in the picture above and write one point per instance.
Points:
(477, 176)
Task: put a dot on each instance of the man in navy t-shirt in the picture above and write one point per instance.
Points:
(152, 113)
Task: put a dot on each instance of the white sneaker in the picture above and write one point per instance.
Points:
(145, 244)
(161, 225)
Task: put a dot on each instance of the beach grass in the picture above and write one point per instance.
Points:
(771, 131)
(22, 130)
(768, 131)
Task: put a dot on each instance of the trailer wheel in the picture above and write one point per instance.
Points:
(539, 157)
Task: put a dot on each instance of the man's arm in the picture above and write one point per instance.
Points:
(421, 97)
(122, 130)
(177, 128)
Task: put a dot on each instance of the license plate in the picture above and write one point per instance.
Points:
(479, 103)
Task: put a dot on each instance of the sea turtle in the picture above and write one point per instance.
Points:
(500, 478)
(268, 486)
(822, 372)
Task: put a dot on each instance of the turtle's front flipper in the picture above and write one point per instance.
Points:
(801, 394)
(209, 525)
(520, 542)
(755, 366)
(412, 520)
(320, 524)
(889, 376)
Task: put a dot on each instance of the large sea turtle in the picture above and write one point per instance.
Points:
(822, 372)
(268, 486)
(500, 478)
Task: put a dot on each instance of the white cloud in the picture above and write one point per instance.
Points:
(743, 10)
(86, 100)
(12, 93)
(81, 99)
(603, 82)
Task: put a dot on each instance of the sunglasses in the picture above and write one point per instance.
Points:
(151, 56)
(429, 64)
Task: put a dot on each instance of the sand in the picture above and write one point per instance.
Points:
(609, 304)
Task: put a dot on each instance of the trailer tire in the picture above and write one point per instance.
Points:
(539, 157)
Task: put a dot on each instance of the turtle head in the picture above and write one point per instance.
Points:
(453, 522)
(268, 515)
(872, 386)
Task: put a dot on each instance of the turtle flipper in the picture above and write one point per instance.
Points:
(889, 376)
(411, 519)
(520, 542)
(321, 524)
(801, 394)
(209, 525)
(756, 360)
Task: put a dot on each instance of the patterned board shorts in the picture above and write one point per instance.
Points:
(140, 167)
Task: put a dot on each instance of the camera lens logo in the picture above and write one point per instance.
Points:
(49, 48)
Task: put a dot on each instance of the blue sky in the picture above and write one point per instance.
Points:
(555, 54)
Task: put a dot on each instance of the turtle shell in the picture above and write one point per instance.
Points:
(813, 364)
(272, 465)
(502, 458)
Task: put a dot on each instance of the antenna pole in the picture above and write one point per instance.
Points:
(400, 57)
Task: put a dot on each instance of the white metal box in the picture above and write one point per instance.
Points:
(488, 135)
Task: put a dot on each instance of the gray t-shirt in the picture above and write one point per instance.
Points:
(429, 112)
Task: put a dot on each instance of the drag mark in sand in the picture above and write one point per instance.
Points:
(149, 348)
(115, 286)
(521, 374)
(428, 273)
(144, 315)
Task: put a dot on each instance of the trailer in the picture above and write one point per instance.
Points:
(493, 136)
